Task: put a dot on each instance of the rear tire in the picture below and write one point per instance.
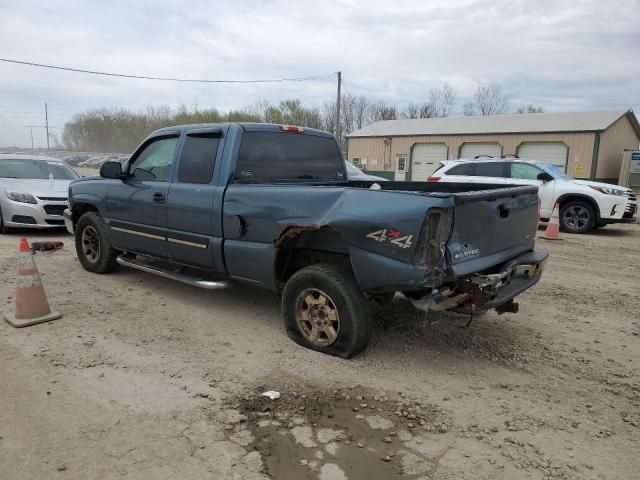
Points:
(577, 216)
(92, 245)
(323, 309)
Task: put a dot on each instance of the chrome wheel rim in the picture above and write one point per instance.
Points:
(90, 244)
(576, 217)
(317, 317)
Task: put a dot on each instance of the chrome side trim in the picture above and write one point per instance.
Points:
(135, 232)
(196, 282)
(159, 237)
(185, 242)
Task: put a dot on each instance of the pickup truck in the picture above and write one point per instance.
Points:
(272, 206)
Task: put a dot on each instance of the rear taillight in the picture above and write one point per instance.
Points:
(291, 128)
(432, 242)
(433, 179)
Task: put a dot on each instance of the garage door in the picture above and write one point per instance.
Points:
(473, 149)
(553, 153)
(425, 158)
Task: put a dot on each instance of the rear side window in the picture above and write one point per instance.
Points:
(288, 156)
(464, 169)
(198, 159)
(489, 169)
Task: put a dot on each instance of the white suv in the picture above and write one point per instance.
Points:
(584, 205)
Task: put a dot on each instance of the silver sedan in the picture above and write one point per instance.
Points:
(33, 191)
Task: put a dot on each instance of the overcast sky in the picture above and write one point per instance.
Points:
(563, 55)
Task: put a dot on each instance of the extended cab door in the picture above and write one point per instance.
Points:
(526, 174)
(136, 205)
(193, 235)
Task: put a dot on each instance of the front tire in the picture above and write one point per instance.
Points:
(323, 309)
(577, 216)
(93, 247)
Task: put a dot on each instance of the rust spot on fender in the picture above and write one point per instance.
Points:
(292, 231)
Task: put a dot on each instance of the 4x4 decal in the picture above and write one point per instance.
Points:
(392, 236)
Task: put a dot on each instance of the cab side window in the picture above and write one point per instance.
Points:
(198, 159)
(155, 161)
(524, 171)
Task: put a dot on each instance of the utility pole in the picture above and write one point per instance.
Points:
(31, 138)
(46, 122)
(338, 107)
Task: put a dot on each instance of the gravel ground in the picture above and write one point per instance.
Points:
(144, 378)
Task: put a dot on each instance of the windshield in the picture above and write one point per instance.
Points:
(352, 169)
(36, 169)
(553, 171)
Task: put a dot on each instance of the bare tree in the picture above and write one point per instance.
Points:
(427, 110)
(469, 109)
(531, 108)
(329, 117)
(348, 113)
(362, 107)
(382, 111)
(258, 110)
(488, 99)
(441, 103)
(354, 113)
(445, 100)
(412, 111)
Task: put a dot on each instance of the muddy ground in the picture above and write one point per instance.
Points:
(144, 378)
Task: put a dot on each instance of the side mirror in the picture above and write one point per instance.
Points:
(544, 176)
(111, 170)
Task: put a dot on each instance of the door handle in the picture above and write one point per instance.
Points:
(158, 197)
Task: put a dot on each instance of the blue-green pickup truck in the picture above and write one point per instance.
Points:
(272, 206)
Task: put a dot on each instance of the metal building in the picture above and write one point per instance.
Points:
(586, 145)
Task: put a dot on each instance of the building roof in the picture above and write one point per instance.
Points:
(512, 123)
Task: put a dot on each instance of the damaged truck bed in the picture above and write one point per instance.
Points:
(271, 206)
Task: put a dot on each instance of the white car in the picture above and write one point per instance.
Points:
(33, 191)
(354, 173)
(584, 205)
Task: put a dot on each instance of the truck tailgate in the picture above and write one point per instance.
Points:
(492, 226)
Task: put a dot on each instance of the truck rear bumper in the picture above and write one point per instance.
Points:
(481, 292)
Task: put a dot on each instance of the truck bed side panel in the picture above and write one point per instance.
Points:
(386, 224)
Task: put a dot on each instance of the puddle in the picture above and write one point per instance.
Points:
(342, 434)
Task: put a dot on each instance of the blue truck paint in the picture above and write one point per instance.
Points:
(239, 229)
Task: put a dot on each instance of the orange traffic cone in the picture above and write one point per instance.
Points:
(553, 227)
(31, 302)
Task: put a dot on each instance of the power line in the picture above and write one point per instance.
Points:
(164, 79)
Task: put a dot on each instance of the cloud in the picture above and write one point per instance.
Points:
(559, 54)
